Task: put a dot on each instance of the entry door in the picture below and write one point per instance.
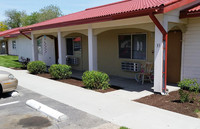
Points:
(174, 56)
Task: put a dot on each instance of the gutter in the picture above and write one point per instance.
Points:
(165, 43)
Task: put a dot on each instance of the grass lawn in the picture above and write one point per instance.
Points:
(9, 61)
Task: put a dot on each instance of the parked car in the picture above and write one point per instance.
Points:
(7, 82)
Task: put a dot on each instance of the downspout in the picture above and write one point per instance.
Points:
(165, 42)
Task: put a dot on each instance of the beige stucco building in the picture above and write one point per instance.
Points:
(119, 41)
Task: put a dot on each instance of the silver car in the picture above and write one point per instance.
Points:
(7, 82)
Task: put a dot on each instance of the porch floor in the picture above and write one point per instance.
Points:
(130, 88)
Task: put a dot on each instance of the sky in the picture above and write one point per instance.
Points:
(66, 6)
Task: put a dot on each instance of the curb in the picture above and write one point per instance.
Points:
(46, 110)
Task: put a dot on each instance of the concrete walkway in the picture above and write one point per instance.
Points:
(114, 109)
(131, 90)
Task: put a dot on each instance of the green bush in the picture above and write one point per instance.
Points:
(96, 80)
(189, 84)
(123, 127)
(36, 67)
(59, 71)
(184, 96)
(196, 111)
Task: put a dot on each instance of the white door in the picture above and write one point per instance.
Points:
(48, 51)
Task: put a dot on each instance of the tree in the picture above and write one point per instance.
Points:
(20, 18)
(3, 26)
(30, 19)
(49, 12)
(14, 18)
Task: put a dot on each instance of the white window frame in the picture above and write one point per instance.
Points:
(14, 46)
(40, 52)
(73, 44)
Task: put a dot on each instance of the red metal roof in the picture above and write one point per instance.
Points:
(6, 32)
(100, 12)
(12, 33)
(15, 34)
(195, 9)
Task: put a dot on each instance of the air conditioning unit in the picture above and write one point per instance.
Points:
(131, 66)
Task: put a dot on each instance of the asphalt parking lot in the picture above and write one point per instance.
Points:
(15, 114)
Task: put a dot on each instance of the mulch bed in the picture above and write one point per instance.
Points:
(79, 83)
(172, 102)
(19, 68)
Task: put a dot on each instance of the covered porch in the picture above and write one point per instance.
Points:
(99, 47)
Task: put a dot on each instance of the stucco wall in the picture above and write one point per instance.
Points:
(23, 47)
(48, 51)
(83, 58)
(12, 51)
(191, 50)
(108, 51)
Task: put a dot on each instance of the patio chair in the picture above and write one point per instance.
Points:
(145, 74)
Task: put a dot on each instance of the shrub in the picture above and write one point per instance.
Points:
(189, 84)
(184, 96)
(123, 127)
(96, 80)
(59, 71)
(36, 67)
(196, 111)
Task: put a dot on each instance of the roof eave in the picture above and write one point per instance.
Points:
(189, 15)
(186, 14)
(7, 33)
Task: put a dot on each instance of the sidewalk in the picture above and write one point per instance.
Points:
(114, 109)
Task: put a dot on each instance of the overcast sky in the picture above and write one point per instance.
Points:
(66, 6)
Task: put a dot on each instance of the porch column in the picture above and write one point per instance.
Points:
(159, 56)
(34, 48)
(61, 49)
(92, 49)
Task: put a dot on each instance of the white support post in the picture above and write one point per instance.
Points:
(92, 49)
(158, 57)
(61, 49)
(34, 48)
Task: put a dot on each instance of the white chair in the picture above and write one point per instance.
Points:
(145, 74)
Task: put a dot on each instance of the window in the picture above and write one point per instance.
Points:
(73, 45)
(125, 46)
(3, 45)
(132, 46)
(139, 46)
(39, 46)
(70, 46)
(14, 44)
(77, 44)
